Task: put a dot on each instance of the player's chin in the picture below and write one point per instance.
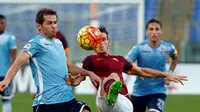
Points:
(52, 35)
(101, 52)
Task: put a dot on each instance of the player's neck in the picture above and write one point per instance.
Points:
(46, 36)
(105, 54)
(154, 44)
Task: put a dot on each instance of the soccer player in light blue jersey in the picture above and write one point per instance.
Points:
(8, 52)
(47, 60)
(152, 53)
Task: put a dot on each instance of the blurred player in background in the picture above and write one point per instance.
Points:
(112, 93)
(65, 43)
(49, 67)
(8, 52)
(152, 53)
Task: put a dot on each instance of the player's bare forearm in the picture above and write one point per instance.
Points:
(21, 59)
(145, 72)
(74, 80)
(173, 63)
(75, 70)
(153, 73)
(67, 52)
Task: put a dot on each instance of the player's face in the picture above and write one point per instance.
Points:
(153, 32)
(104, 46)
(2, 25)
(49, 26)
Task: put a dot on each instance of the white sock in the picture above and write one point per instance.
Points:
(6, 106)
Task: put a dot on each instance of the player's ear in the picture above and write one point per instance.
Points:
(109, 42)
(161, 32)
(39, 26)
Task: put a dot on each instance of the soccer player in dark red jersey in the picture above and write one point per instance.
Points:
(112, 93)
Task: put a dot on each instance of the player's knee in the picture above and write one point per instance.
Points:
(86, 109)
(114, 76)
(154, 110)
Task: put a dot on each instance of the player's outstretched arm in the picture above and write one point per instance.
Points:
(147, 72)
(74, 80)
(74, 70)
(21, 59)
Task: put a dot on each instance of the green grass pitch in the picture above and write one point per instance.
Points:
(22, 102)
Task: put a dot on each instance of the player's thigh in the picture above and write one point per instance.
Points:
(156, 102)
(78, 106)
(7, 93)
(71, 106)
(139, 103)
(112, 76)
(123, 104)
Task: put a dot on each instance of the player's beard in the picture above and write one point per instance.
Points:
(154, 41)
(2, 31)
(51, 35)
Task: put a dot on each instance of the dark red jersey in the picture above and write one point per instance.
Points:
(61, 37)
(103, 66)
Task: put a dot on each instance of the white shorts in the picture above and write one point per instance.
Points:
(123, 104)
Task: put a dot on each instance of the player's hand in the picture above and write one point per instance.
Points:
(176, 78)
(4, 84)
(94, 79)
(167, 81)
(142, 78)
(74, 80)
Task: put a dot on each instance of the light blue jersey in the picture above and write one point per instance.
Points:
(49, 68)
(7, 42)
(154, 58)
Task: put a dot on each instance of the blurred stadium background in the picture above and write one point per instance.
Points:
(125, 20)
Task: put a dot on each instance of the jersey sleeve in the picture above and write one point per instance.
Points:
(87, 63)
(32, 47)
(133, 53)
(127, 65)
(173, 52)
(12, 42)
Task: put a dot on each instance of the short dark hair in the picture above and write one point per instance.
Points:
(104, 30)
(153, 21)
(43, 12)
(2, 16)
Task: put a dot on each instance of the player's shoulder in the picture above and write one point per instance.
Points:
(57, 40)
(9, 34)
(88, 58)
(145, 42)
(36, 39)
(140, 45)
(165, 43)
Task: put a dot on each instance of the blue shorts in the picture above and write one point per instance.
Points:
(7, 93)
(70, 106)
(154, 102)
